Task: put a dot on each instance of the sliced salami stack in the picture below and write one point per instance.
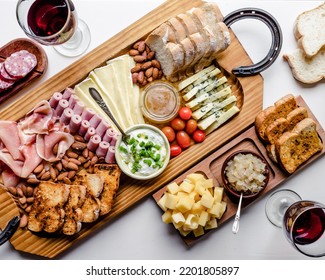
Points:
(17, 66)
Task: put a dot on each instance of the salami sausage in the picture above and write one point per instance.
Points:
(4, 75)
(20, 63)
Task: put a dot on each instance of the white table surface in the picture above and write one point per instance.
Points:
(139, 233)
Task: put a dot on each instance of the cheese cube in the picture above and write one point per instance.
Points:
(161, 202)
(217, 209)
(167, 217)
(171, 201)
(184, 204)
(183, 232)
(197, 208)
(199, 188)
(218, 194)
(211, 224)
(195, 177)
(186, 187)
(181, 194)
(199, 231)
(207, 200)
(173, 188)
(203, 219)
(208, 183)
(195, 195)
(191, 222)
(178, 219)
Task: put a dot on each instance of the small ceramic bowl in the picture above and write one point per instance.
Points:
(125, 159)
(230, 188)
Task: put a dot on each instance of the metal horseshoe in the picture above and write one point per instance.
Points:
(276, 45)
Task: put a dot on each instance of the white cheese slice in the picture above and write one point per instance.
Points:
(183, 84)
(222, 119)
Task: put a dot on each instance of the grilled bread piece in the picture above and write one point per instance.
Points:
(276, 129)
(94, 187)
(111, 175)
(296, 116)
(280, 109)
(47, 211)
(297, 146)
(73, 213)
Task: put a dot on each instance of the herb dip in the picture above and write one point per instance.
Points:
(144, 151)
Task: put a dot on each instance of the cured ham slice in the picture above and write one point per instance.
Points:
(45, 145)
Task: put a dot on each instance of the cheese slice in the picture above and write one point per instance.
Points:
(222, 119)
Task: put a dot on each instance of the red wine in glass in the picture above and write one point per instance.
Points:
(54, 22)
(309, 226)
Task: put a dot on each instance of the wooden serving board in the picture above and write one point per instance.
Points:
(132, 191)
(28, 45)
(248, 140)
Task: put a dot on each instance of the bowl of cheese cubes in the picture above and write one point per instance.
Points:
(194, 205)
(244, 172)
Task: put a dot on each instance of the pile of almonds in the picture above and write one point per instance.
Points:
(147, 68)
(77, 157)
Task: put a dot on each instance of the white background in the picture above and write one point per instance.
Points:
(139, 233)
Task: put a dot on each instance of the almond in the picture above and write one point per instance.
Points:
(146, 65)
(46, 176)
(136, 69)
(139, 58)
(33, 181)
(142, 46)
(155, 63)
(155, 73)
(79, 138)
(151, 55)
(72, 154)
(12, 190)
(62, 176)
(72, 166)
(149, 72)
(67, 181)
(140, 77)
(133, 52)
(23, 221)
(39, 168)
(135, 77)
(79, 146)
(77, 162)
(53, 173)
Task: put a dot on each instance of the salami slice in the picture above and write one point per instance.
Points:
(20, 63)
(5, 85)
(4, 75)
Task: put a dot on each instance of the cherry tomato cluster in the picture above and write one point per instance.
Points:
(182, 131)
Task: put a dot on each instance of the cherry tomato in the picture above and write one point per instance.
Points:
(191, 126)
(185, 113)
(198, 136)
(169, 132)
(177, 124)
(175, 150)
(183, 139)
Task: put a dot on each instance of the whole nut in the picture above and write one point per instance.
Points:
(85, 153)
(52, 173)
(71, 174)
(146, 65)
(62, 176)
(136, 45)
(59, 166)
(82, 159)
(86, 164)
(155, 63)
(20, 192)
(141, 46)
(23, 221)
(72, 154)
(94, 160)
(29, 191)
(136, 69)
(67, 181)
(28, 208)
(75, 161)
(140, 77)
(65, 163)
(151, 55)
(133, 52)
(72, 166)
(55, 149)
(12, 190)
(79, 138)
(22, 200)
(155, 73)
(139, 58)
(79, 146)
(39, 168)
(30, 200)
(33, 181)
(149, 72)
(46, 176)
(135, 77)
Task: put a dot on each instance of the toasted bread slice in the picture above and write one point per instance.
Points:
(73, 213)
(94, 187)
(111, 174)
(276, 129)
(296, 116)
(270, 150)
(280, 109)
(47, 211)
(296, 147)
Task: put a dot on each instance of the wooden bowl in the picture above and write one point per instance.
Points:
(230, 189)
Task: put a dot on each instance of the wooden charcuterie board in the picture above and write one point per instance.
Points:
(132, 191)
(37, 72)
(248, 140)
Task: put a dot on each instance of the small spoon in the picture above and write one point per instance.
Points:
(235, 225)
(99, 100)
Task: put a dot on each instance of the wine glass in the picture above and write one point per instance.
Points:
(54, 22)
(302, 221)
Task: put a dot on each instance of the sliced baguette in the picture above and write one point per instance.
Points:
(306, 70)
(309, 30)
(296, 147)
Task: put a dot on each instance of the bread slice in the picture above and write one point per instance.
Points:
(309, 30)
(111, 174)
(296, 147)
(276, 129)
(94, 187)
(306, 70)
(47, 213)
(270, 150)
(73, 213)
(296, 116)
(280, 109)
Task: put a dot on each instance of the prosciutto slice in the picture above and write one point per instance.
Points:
(24, 145)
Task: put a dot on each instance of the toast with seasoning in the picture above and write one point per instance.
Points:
(111, 176)
(47, 213)
(280, 109)
(297, 146)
